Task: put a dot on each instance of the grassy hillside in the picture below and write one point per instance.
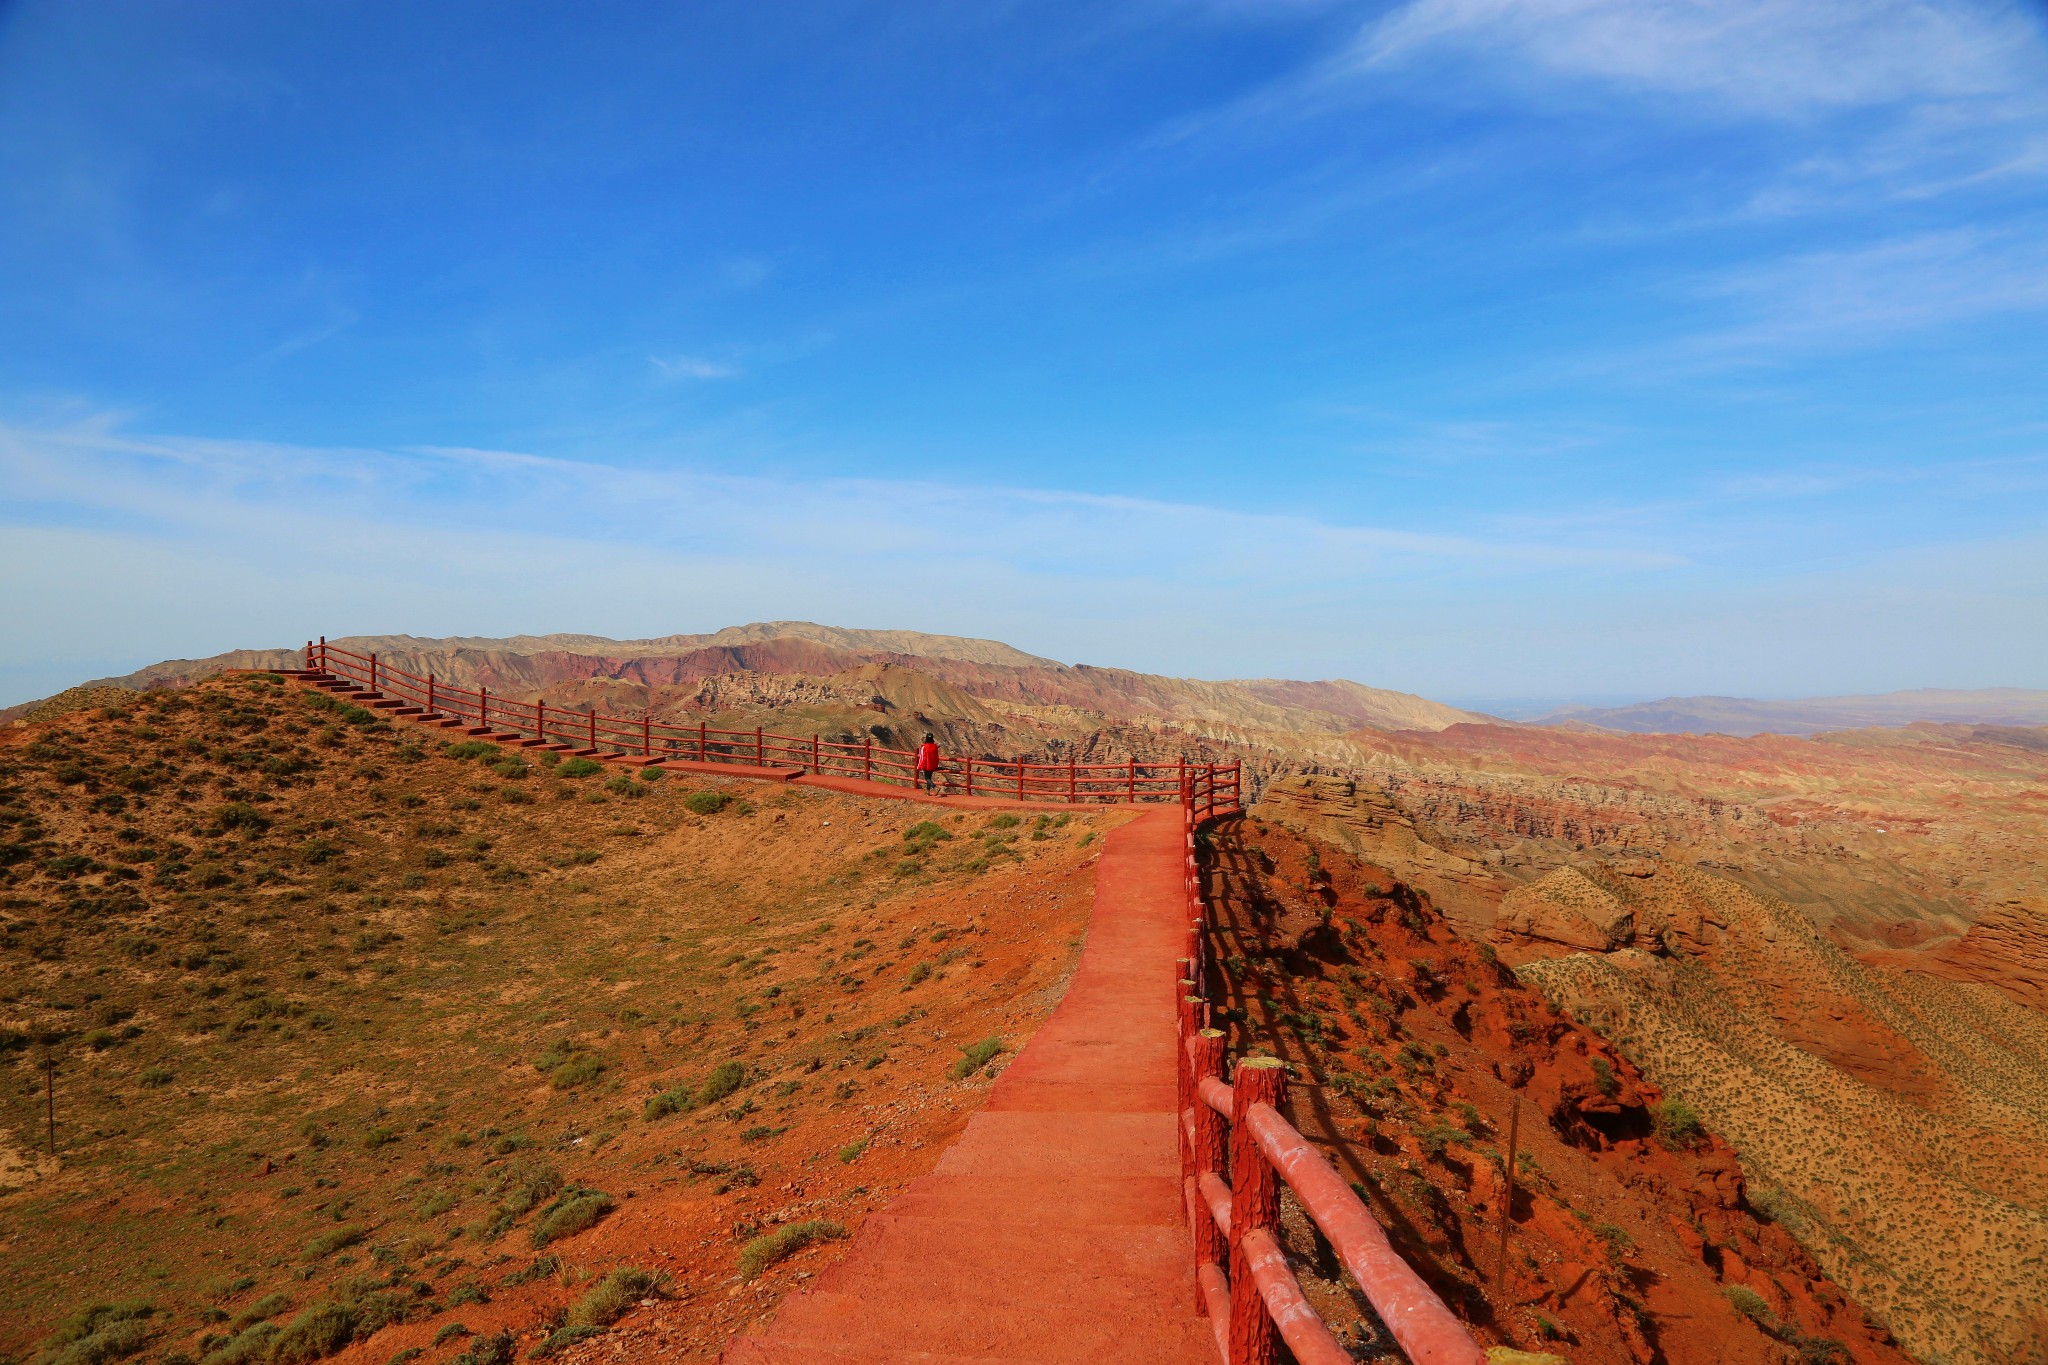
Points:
(367, 1043)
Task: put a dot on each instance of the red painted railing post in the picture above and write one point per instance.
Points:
(646, 735)
(703, 742)
(1186, 1020)
(1072, 797)
(309, 656)
(483, 707)
(373, 670)
(430, 692)
(758, 762)
(593, 729)
(970, 777)
(1207, 1063)
(867, 760)
(540, 720)
(1254, 1203)
(816, 767)
(1132, 787)
(1020, 777)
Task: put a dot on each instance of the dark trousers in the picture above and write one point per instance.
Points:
(926, 775)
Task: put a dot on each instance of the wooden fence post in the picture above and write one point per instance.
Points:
(1254, 1203)
(1184, 1026)
(1020, 777)
(1207, 1063)
(646, 735)
(430, 692)
(815, 766)
(1507, 1206)
(867, 760)
(1072, 797)
(483, 707)
(703, 745)
(1132, 783)
(593, 727)
(540, 720)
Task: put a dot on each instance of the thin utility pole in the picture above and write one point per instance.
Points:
(1507, 1208)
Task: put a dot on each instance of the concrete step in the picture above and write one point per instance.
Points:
(996, 1329)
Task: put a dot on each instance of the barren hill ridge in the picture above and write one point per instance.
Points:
(665, 675)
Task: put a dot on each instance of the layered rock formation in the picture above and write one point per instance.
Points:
(1898, 1121)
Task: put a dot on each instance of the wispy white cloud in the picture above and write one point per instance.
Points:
(1870, 293)
(119, 545)
(1774, 57)
(691, 367)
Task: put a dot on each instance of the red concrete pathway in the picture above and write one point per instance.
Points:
(1050, 1229)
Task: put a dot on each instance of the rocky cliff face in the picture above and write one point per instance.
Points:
(1898, 1120)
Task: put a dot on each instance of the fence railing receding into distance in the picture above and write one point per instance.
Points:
(1236, 1147)
(1206, 788)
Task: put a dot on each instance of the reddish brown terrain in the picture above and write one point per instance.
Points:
(1830, 947)
(342, 1020)
(1635, 1236)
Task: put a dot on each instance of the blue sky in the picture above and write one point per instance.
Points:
(1483, 348)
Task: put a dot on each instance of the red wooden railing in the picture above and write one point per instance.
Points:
(1236, 1148)
(1207, 789)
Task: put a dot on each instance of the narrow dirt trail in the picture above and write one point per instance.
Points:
(1050, 1230)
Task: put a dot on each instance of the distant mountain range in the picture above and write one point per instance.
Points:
(779, 663)
(1811, 715)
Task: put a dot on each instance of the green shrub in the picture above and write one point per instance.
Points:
(707, 803)
(492, 1350)
(467, 1293)
(650, 774)
(331, 1241)
(520, 1187)
(608, 1299)
(920, 973)
(472, 748)
(678, 1100)
(435, 1204)
(622, 784)
(1751, 1305)
(580, 767)
(973, 1059)
(239, 815)
(765, 1251)
(511, 768)
(249, 1345)
(452, 1331)
(1603, 1076)
(575, 1209)
(92, 1336)
(725, 1078)
(318, 1332)
(1677, 1123)
(269, 1306)
(582, 1067)
(852, 1150)
(1004, 821)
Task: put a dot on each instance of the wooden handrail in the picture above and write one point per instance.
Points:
(1204, 789)
(1232, 1215)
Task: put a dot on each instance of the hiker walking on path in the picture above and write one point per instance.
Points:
(928, 762)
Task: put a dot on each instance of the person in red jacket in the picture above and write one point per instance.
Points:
(928, 762)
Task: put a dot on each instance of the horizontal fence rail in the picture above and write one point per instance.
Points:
(1206, 789)
(1236, 1149)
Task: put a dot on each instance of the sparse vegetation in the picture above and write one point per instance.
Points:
(774, 1247)
(973, 1059)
